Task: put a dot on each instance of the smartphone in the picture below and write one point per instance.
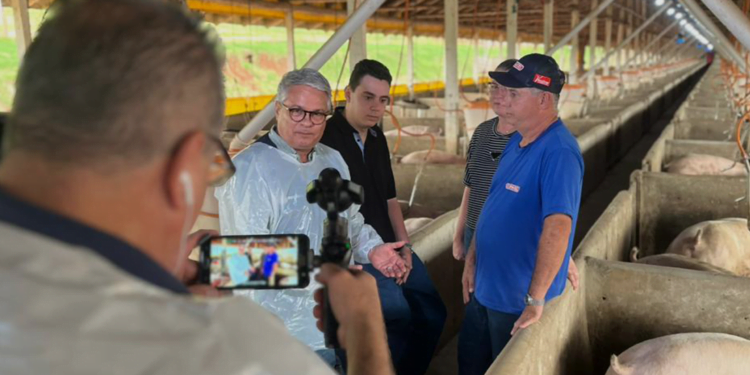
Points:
(276, 261)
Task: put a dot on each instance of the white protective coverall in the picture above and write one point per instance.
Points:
(267, 195)
(66, 310)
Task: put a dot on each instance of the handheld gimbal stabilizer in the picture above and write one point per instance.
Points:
(334, 195)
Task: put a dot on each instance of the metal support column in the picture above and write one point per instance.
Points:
(511, 28)
(358, 47)
(574, 23)
(360, 16)
(629, 51)
(607, 38)
(23, 28)
(291, 59)
(593, 28)
(475, 67)
(451, 76)
(410, 58)
(549, 7)
(2, 20)
(620, 34)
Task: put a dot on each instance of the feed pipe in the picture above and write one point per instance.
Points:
(658, 38)
(352, 24)
(625, 42)
(720, 40)
(584, 22)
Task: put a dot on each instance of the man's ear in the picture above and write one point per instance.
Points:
(347, 94)
(189, 160)
(277, 108)
(546, 100)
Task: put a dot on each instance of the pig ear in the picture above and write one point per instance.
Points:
(634, 254)
(617, 367)
(697, 239)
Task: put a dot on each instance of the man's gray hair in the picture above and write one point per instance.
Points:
(306, 77)
(555, 97)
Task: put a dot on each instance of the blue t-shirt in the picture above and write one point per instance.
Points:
(531, 183)
(269, 262)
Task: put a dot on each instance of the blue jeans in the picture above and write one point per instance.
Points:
(484, 333)
(414, 317)
(468, 235)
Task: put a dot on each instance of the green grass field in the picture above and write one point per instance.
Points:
(256, 56)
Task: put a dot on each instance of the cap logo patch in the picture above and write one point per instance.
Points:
(542, 80)
(518, 66)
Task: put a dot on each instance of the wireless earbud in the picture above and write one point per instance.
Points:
(187, 184)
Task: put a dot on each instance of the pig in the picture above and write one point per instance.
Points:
(707, 165)
(415, 129)
(415, 224)
(685, 354)
(722, 243)
(417, 210)
(676, 261)
(434, 157)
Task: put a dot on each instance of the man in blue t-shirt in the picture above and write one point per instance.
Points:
(524, 235)
(269, 264)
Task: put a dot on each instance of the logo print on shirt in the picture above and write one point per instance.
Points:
(513, 188)
(542, 80)
(518, 66)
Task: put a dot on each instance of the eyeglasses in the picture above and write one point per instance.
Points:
(299, 114)
(222, 168)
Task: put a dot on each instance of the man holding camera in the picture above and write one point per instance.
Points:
(109, 148)
(268, 196)
(414, 313)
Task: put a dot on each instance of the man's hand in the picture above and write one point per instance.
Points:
(189, 273)
(530, 315)
(352, 295)
(458, 249)
(467, 280)
(406, 255)
(573, 274)
(194, 238)
(386, 259)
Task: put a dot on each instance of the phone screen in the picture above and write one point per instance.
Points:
(256, 262)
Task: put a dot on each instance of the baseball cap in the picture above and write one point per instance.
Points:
(533, 71)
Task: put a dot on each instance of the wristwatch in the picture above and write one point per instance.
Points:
(529, 301)
(408, 246)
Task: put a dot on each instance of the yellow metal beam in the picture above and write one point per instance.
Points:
(301, 16)
(237, 106)
(305, 14)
